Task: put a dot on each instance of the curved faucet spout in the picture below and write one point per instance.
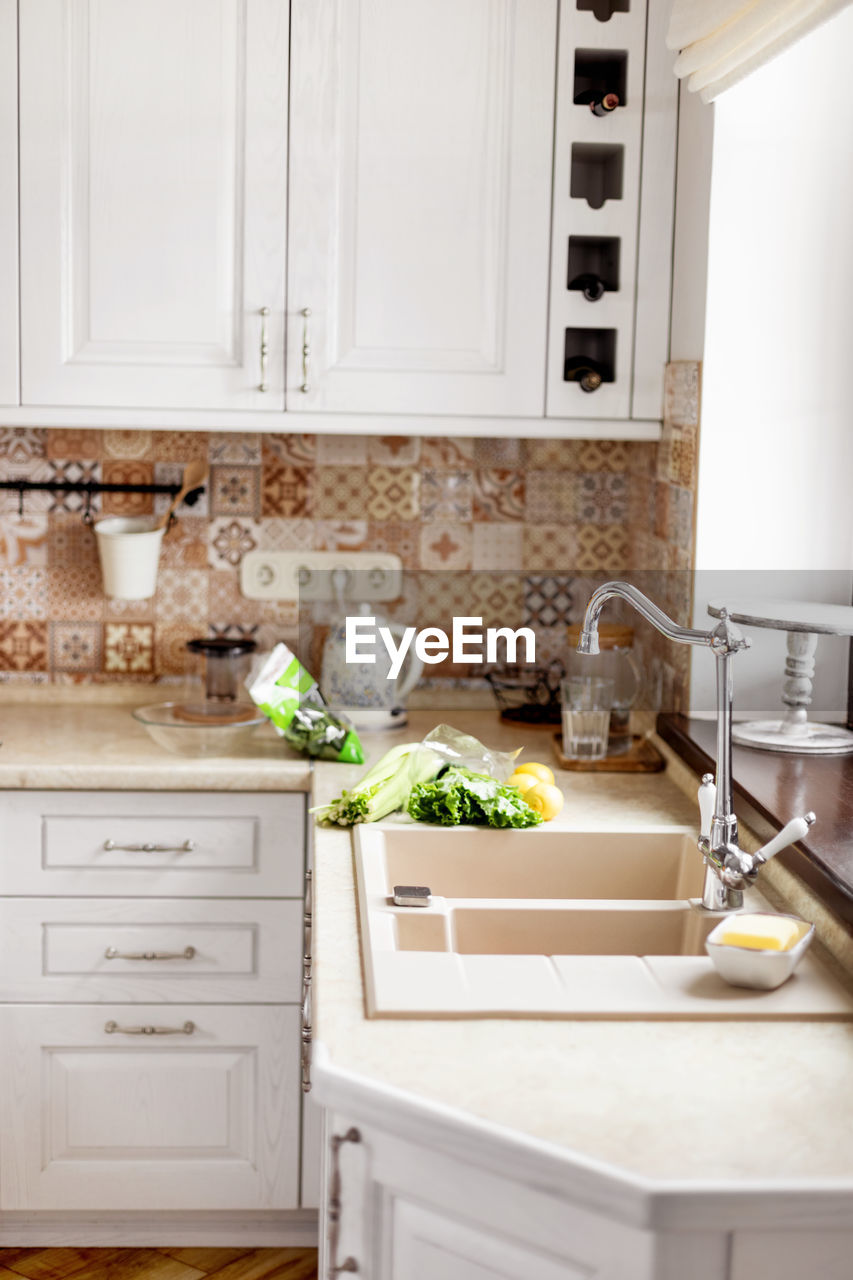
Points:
(623, 590)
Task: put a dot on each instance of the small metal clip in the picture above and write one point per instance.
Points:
(412, 895)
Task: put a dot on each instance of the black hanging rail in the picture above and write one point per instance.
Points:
(91, 487)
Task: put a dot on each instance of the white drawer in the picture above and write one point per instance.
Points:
(206, 1117)
(183, 844)
(148, 950)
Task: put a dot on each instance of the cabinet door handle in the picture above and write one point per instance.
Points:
(186, 847)
(306, 350)
(306, 1037)
(265, 349)
(112, 954)
(186, 1030)
(334, 1207)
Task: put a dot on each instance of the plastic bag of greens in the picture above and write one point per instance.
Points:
(389, 784)
(291, 697)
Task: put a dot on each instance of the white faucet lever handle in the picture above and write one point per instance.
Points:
(707, 800)
(790, 833)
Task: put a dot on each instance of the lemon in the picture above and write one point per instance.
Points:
(540, 771)
(524, 781)
(545, 799)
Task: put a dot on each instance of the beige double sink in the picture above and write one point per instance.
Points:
(554, 923)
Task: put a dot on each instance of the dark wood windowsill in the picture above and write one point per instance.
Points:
(775, 787)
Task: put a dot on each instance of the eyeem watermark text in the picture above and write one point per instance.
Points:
(468, 642)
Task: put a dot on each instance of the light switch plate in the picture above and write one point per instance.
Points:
(308, 575)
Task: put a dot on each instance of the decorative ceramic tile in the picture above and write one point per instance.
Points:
(72, 472)
(446, 546)
(233, 630)
(23, 541)
(128, 504)
(128, 446)
(341, 451)
(20, 445)
(173, 473)
(179, 446)
(551, 547)
(76, 646)
(185, 544)
(442, 596)
(286, 535)
(681, 393)
(500, 451)
(680, 521)
(341, 535)
(394, 451)
(602, 546)
(138, 610)
(234, 448)
(447, 453)
(553, 455)
(552, 646)
(24, 677)
(498, 546)
(129, 647)
(602, 497)
(339, 494)
(236, 491)
(23, 592)
(23, 646)
(171, 656)
(446, 495)
(547, 600)
(75, 590)
(75, 442)
(393, 493)
(496, 598)
(229, 540)
(399, 539)
(603, 455)
(641, 502)
(681, 468)
(36, 469)
(285, 490)
(550, 497)
(282, 613)
(499, 494)
(295, 449)
(182, 596)
(661, 524)
(226, 604)
(642, 457)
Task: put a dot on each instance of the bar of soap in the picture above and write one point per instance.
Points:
(761, 933)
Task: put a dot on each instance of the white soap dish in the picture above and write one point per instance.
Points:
(748, 967)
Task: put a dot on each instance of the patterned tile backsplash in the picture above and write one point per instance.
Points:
(517, 530)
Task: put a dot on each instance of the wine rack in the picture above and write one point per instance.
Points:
(611, 232)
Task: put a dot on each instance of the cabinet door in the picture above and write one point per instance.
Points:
(420, 180)
(8, 202)
(153, 202)
(99, 1119)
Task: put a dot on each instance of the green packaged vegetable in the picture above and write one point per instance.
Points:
(291, 697)
(384, 788)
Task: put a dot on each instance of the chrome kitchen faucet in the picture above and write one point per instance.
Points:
(728, 868)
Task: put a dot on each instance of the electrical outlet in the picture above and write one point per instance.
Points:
(309, 575)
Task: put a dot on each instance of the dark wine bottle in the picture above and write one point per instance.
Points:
(582, 369)
(591, 286)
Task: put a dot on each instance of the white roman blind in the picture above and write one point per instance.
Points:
(722, 41)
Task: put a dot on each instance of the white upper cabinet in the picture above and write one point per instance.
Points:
(8, 204)
(153, 202)
(419, 218)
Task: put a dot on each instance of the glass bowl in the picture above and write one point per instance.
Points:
(200, 728)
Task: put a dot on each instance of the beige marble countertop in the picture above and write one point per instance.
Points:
(58, 738)
(684, 1101)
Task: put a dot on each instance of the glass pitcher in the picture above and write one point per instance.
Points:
(616, 662)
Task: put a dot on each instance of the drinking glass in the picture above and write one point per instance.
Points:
(586, 716)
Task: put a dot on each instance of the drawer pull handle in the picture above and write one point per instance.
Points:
(186, 847)
(186, 1030)
(333, 1216)
(306, 350)
(112, 953)
(265, 349)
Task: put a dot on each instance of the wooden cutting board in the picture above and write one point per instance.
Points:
(641, 757)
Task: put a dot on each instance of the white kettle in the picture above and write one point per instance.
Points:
(362, 691)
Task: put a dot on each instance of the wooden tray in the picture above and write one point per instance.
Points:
(641, 757)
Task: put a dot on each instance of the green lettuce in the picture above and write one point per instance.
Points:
(461, 797)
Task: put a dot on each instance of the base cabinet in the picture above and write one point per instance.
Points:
(199, 1112)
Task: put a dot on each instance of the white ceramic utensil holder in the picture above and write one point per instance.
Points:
(130, 555)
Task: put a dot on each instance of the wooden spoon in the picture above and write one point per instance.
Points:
(195, 474)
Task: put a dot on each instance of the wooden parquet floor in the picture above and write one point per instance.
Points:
(158, 1264)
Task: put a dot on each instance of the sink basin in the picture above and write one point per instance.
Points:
(467, 862)
(554, 923)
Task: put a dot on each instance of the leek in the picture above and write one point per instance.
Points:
(384, 788)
